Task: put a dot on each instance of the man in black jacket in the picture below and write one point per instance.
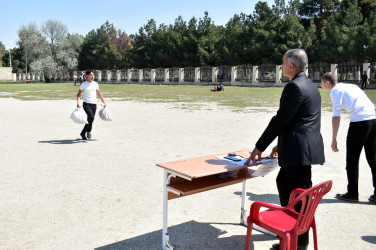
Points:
(297, 126)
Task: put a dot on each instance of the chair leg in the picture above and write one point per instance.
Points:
(249, 235)
(314, 234)
(284, 243)
(292, 243)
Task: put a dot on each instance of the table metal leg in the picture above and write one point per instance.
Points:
(243, 214)
(165, 237)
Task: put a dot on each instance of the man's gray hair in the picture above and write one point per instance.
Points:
(298, 57)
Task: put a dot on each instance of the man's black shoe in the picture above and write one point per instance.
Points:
(346, 197)
(83, 136)
(276, 247)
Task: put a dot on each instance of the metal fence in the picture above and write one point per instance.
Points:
(316, 70)
(346, 72)
(147, 75)
(224, 73)
(266, 73)
(206, 74)
(159, 75)
(245, 73)
(372, 75)
(174, 74)
(123, 75)
(349, 72)
(189, 74)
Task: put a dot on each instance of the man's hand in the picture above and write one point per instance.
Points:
(252, 157)
(274, 152)
(334, 145)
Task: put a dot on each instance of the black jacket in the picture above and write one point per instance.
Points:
(297, 125)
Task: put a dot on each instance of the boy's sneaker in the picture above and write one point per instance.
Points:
(372, 198)
(83, 136)
(89, 135)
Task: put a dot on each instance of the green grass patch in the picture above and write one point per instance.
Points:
(236, 98)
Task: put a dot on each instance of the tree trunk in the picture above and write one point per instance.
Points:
(47, 79)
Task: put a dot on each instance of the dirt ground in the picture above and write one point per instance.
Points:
(59, 192)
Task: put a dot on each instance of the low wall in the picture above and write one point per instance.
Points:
(6, 74)
(265, 75)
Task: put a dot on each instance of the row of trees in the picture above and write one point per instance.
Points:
(330, 31)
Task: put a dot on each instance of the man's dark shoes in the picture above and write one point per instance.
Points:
(83, 136)
(346, 197)
(372, 198)
(276, 247)
(89, 135)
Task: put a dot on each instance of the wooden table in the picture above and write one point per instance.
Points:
(191, 176)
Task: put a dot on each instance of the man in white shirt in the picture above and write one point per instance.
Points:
(90, 88)
(361, 133)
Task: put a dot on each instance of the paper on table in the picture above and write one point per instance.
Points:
(263, 169)
(267, 165)
(243, 160)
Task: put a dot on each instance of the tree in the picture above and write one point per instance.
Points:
(97, 51)
(353, 38)
(2, 51)
(32, 42)
(18, 63)
(319, 11)
(370, 47)
(208, 38)
(366, 7)
(275, 30)
(58, 56)
(55, 31)
(235, 41)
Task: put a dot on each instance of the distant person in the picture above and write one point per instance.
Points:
(90, 88)
(364, 80)
(361, 133)
(297, 125)
(215, 89)
(220, 87)
(75, 80)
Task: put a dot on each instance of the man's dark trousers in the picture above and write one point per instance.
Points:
(90, 110)
(288, 179)
(360, 134)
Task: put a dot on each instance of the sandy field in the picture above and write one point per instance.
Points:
(59, 192)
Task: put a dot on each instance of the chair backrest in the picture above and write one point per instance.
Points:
(309, 199)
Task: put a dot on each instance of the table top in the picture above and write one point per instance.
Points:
(203, 166)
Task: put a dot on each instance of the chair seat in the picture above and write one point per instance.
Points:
(280, 220)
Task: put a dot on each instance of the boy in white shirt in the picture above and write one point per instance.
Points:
(90, 88)
(361, 133)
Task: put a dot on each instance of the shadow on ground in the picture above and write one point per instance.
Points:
(189, 235)
(369, 238)
(274, 199)
(269, 198)
(62, 142)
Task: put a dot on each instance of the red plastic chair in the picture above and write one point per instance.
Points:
(285, 221)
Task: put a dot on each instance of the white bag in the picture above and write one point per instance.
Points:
(79, 116)
(105, 114)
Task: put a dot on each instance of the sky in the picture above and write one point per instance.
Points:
(82, 16)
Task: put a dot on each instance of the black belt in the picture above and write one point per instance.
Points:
(90, 104)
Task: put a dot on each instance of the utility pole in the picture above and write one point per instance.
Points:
(10, 60)
(26, 64)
